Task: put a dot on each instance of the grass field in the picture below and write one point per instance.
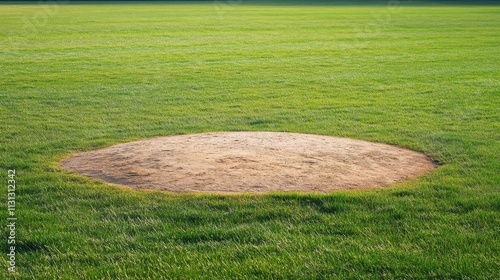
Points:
(80, 77)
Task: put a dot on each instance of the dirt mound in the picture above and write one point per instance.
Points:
(256, 162)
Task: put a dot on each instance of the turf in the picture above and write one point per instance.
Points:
(80, 77)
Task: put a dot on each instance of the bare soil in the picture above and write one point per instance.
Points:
(250, 162)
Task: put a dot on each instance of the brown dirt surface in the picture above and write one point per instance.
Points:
(250, 162)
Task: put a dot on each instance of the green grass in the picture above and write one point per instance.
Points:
(89, 76)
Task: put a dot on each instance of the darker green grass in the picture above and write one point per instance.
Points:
(88, 76)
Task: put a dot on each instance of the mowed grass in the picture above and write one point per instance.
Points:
(80, 77)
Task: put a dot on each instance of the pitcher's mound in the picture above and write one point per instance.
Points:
(256, 162)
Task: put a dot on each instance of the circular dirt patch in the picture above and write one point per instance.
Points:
(256, 162)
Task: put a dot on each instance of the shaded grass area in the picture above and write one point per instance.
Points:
(425, 78)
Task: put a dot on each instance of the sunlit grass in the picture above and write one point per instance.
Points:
(89, 76)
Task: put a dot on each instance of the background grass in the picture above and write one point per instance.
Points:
(80, 77)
